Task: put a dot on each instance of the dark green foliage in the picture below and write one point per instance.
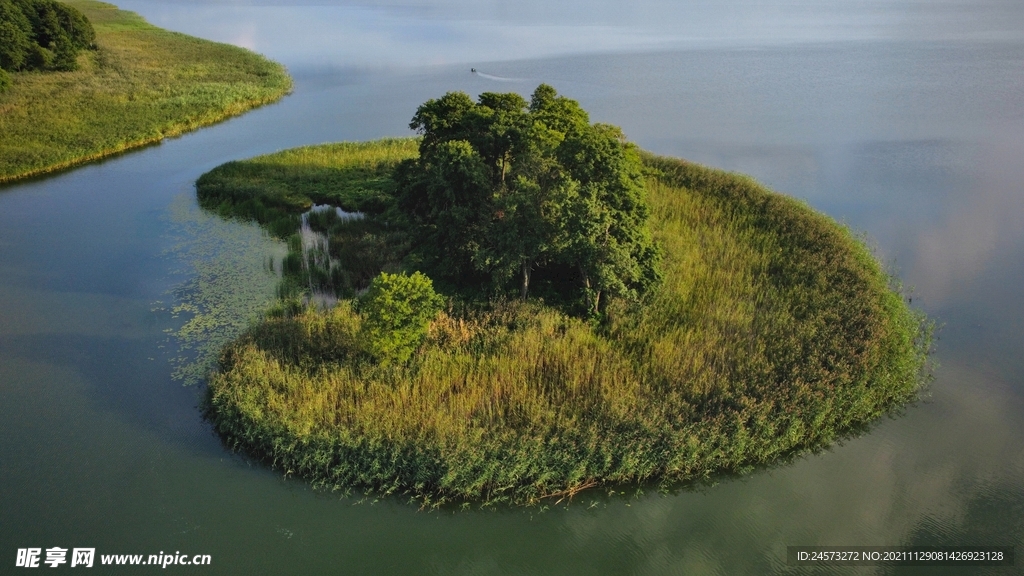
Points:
(362, 248)
(398, 309)
(5, 80)
(773, 331)
(16, 36)
(504, 188)
(42, 35)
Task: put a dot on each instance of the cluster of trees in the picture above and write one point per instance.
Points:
(42, 35)
(506, 191)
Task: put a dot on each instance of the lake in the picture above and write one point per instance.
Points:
(902, 119)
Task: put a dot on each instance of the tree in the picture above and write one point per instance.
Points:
(504, 187)
(606, 233)
(15, 36)
(42, 35)
(397, 312)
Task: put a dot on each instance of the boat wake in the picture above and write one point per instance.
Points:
(495, 78)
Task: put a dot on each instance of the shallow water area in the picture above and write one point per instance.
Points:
(905, 120)
(316, 248)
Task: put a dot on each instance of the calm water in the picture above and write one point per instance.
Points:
(903, 119)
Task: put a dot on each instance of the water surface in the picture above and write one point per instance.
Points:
(903, 119)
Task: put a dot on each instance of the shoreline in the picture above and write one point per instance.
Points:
(776, 333)
(142, 85)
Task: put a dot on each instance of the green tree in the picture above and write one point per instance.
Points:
(504, 187)
(16, 40)
(605, 222)
(397, 312)
(42, 35)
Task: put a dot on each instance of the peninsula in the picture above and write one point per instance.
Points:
(130, 84)
(530, 306)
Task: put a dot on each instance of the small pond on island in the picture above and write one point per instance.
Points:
(904, 120)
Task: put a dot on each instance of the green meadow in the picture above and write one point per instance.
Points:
(140, 84)
(774, 331)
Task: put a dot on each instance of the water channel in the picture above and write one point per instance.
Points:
(903, 119)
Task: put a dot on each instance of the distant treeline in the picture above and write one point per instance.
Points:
(42, 35)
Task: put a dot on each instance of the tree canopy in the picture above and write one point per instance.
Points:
(398, 310)
(42, 35)
(504, 189)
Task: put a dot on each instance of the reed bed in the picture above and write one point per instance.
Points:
(141, 85)
(275, 188)
(774, 332)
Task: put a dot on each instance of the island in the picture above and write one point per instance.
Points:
(81, 80)
(519, 305)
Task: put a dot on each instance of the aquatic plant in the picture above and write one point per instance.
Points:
(226, 286)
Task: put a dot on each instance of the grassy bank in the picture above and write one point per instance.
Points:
(141, 84)
(774, 331)
(274, 189)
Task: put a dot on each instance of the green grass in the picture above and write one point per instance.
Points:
(354, 176)
(275, 189)
(141, 85)
(775, 331)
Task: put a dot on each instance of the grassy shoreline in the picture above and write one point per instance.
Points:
(774, 332)
(141, 85)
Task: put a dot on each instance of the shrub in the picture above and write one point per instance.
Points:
(5, 81)
(398, 310)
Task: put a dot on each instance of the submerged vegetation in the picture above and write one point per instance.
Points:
(280, 191)
(136, 85)
(223, 287)
(771, 330)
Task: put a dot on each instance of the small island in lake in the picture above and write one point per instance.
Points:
(525, 305)
(82, 80)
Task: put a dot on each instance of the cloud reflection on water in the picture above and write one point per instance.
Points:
(926, 473)
(917, 145)
(419, 32)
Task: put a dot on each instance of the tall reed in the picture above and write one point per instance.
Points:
(775, 331)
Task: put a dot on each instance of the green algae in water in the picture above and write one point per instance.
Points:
(232, 270)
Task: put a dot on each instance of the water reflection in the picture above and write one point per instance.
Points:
(983, 225)
(322, 271)
(915, 141)
(425, 32)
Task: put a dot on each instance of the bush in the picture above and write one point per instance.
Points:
(5, 81)
(398, 310)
